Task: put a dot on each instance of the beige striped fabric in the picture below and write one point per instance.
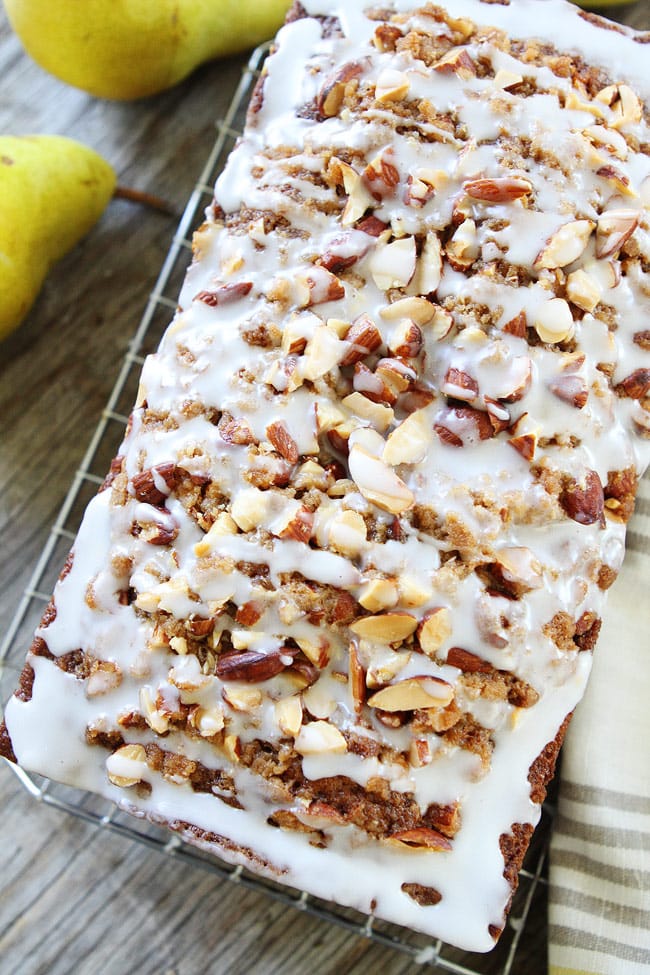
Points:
(599, 895)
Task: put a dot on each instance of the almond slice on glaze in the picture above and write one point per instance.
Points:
(413, 693)
(386, 628)
(566, 245)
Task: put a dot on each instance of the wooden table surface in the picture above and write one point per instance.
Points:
(75, 898)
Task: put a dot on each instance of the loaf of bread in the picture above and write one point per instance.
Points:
(332, 610)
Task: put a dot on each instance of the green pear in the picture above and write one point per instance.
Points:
(126, 49)
(52, 191)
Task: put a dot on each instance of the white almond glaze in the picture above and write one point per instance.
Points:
(487, 496)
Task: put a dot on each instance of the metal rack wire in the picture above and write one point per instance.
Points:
(522, 947)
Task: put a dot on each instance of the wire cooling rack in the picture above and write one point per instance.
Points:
(522, 947)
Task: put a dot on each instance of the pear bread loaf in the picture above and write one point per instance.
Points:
(335, 603)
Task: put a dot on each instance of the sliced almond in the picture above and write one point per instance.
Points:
(250, 508)
(615, 227)
(357, 679)
(463, 248)
(347, 533)
(393, 265)
(381, 175)
(378, 415)
(208, 721)
(566, 245)
(322, 354)
(429, 267)
(415, 308)
(378, 594)
(457, 61)
(385, 628)
(377, 482)
(244, 699)
(413, 591)
(288, 715)
(413, 693)
(320, 738)
(359, 199)
(420, 753)
(583, 290)
(441, 324)
(392, 86)
(553, 320)
(498, 189)
(408, 442)
(422, 838)
(127, 766)
(507, 79)
(434, 630)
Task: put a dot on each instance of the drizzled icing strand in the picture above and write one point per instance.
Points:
(343, 585)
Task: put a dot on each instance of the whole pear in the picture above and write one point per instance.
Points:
(52, 191)
(126, 49)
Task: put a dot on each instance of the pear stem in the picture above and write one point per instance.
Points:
(145, 199)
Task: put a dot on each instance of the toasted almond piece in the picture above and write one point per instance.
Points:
(179, 645)
(317, 653)
(459, 385)
(319, 738)
(553, 320)
(156, 720)
(208, 721)
(434, 630)
(526, 433)
(232, 748)
(288, 715)
(574, 103)
(498, 189)
(615, 227)
(413, 591)
(363, 337)
(105, 676)
(244, 699)
(463, 248)
(583, 290)
(381, 175)
(393, 265)
(406, 340)
(386, 627)
(457, 61)
(420, 753)
(429, 267)
(422, 838)
(618, 179)
(408, 442)
(384, 667)
(250, 508)
(357, 679)
(378, 594)
(378, 415)
(332, 92)
(624, 103)
(415, 308)
(347, 533)
(359, 197)
(566, 245)
(126, 766)
(519, 569)
(377, 482)
(601, 135)
(148, 602)
(412, 693)
(392, 86)
(506, 79)
(323, 352)
(441, 324)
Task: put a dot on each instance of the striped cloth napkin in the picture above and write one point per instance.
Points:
(599, 896)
